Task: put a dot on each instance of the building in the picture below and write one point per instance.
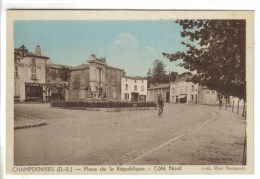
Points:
(133, 88)
(37, 79)
(207, 96)
(183, 91)
(29, 74)
(56, 88)
(162, 89)
(95, 80)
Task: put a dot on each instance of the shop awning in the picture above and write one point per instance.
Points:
(182, 96)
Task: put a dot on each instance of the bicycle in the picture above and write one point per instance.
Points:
(160, 111)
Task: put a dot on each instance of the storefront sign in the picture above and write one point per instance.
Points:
(34, 84)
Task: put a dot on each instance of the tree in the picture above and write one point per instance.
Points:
(64, 73)
(216, 52)
(149, 77)
(159, 73)
(173, 76)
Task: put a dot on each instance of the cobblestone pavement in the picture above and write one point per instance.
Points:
(79, 137)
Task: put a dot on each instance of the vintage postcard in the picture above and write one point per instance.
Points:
(129, 92)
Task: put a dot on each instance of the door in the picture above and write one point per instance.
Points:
(167, 97)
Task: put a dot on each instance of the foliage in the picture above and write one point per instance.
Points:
(76, 81)
(158, 74)
(64, 73)
(185, 73)
(173, 76)
(216, 52)
(52, 75)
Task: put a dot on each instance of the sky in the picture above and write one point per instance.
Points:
(132, 45)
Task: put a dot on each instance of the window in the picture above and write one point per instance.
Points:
(125, 79)
(142, 81)
(126, 96)
(17, 61)
(126, 87)
(16, 72)
(192, 87)
(135, 81)
(114, 94)
(33, 61)
(135, 87)
(33, 72)
(192, 97)
(142, 88)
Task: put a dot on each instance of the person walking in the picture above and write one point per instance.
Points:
(220, 103)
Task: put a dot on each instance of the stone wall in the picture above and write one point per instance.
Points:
(113, 80)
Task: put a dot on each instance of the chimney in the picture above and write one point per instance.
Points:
(38, 50)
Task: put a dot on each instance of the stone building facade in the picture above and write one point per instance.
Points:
(95, 80)
(29, 75)
(133, 88)
(161, 89)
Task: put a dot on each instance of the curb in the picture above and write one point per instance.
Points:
(42, 123)
(29, 126)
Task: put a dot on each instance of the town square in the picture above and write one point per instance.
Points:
(130, 92)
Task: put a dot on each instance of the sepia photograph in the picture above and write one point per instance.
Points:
(121, 92)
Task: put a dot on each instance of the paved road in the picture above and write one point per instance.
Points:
(79, 137)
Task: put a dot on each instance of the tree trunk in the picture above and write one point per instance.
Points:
(238, 107)
(244, 109)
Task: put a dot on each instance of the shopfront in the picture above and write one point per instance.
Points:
(33, 92)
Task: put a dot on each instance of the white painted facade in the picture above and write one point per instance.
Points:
(207, 96)
(133, 89)
(183, 92)
(29, 75)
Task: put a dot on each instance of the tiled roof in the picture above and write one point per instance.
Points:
(135, 77)
(16, 51)
(114, 68)
(57, 66)
(166, 85)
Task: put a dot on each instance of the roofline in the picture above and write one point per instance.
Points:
(82, 68)
(135, 78)
(96, 61)
(114, 68)
(50, 65)
(158, 87)
(34, 55)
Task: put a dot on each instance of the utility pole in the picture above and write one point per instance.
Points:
(169, 76)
